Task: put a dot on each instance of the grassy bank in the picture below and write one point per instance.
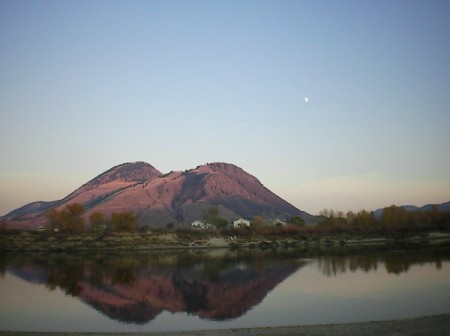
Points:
(14, 240)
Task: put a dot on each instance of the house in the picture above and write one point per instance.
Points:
(201, 225)
(241, 222)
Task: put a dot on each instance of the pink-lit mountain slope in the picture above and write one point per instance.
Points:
(181, 197)
(111, 182)
(177, 197)
(90, 194)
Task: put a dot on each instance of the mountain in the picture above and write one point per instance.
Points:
(34, 207)
(176, 197)
(91, 193)
(111, 182)
(443, 207)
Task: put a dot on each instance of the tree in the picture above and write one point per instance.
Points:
(297, 221)
(362, 220)
(97, 220)
(72, 219)
(257, 224)
(124, 221)
(212, 216)
(54, 220)
(435, 215)
(394, 217)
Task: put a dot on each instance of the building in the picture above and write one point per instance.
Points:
(201, 225)
(241, 222)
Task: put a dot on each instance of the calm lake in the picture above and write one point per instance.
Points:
(200, 289)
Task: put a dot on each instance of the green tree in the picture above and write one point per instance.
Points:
(212, 216)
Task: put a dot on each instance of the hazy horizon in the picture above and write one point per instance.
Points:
(329, 104)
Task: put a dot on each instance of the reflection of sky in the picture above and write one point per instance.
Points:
(306, 297)
(28, 306)
(309, 297)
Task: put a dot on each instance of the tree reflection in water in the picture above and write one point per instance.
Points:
(394, 261)
(136, 287)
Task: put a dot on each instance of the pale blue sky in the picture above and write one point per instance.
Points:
(86, 85)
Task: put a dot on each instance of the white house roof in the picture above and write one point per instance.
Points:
(241, 221)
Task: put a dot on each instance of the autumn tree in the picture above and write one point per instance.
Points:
(72, 217)
(363, 220)
(394, 217)
(54, 220)
(124, 221)
(332, 218)
(435, 215)
(97, 219)
(297, 221)
(257, 224)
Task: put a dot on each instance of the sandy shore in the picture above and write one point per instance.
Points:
(433, 325)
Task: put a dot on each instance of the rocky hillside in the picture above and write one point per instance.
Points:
(178, 197)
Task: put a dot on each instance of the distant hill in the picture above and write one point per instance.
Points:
(177, 197)
(35, 207)
(443, 207)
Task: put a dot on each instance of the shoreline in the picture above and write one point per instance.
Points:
(428, 325)
(38, 242)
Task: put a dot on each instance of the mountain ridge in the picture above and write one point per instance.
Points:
(443, 207)
(176, 198)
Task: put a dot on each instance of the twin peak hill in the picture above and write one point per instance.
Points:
(176, 197)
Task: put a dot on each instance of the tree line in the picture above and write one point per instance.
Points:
(392, 218)
(71, 219)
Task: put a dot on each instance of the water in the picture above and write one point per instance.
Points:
(194, 290)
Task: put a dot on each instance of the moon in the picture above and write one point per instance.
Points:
(306, 99)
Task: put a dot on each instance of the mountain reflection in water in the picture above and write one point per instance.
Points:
(137, 287)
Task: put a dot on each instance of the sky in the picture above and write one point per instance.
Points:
(87, 85)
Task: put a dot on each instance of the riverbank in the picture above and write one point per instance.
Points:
(431, 325)
(54, 242)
